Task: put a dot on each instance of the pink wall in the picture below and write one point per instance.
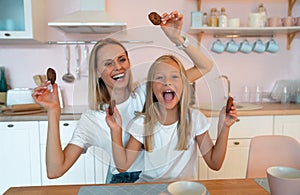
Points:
(24, 61)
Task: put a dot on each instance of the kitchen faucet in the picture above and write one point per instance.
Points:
(228, 84)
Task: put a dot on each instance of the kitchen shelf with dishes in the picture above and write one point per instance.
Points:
(291, 31)
(247, 32)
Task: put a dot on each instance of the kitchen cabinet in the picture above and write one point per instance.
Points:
(249, 31)
(22, 21)
(20, 154)
(82, 172)
(236, 159)
(287, 125)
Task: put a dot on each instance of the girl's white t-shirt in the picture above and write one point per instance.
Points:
(165, 163)
(92, 129)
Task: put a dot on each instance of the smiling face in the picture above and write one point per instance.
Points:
(167, 84)
(113, 67)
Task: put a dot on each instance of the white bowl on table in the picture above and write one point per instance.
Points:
(283, 180)
(187, 188)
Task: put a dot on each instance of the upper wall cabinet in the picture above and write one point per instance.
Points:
(22, 21)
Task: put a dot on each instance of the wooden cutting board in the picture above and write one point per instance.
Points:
(12, 113)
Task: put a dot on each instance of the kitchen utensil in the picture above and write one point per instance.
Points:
(85, 62)
(78, 60)
(259, 46)
(68, 77)
(245, 46)
(218, 46)
(283, 180)
(21, 107)
(232, 46)
(272, 46)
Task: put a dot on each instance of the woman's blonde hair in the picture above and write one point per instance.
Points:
(98, 94)
(151, 111)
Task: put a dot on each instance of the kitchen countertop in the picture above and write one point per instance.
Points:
(74, 112)
(267, 109)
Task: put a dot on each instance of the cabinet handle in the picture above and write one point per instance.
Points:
(236, 143)
(66, 124)
(10, 125)
(7, 34)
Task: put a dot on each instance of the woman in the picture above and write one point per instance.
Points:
(109, 79)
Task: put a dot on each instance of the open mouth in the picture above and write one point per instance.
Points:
(168, 95)
(118, 76)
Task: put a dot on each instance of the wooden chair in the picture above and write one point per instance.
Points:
(272, 150)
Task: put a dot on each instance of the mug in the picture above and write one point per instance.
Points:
(259, 46)
(298, 21)
(218, 46)
(245, 46)
(274, 22)
(234, 22)
(232, 46)
(289, 21)
(255, 20)
(272, 46)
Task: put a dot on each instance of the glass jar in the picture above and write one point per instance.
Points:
(213, 18)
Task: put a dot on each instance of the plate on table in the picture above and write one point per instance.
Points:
(187, 188)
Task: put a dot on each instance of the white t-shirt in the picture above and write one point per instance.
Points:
(165, 163)
(92, 129)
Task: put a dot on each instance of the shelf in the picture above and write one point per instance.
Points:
(244, 31)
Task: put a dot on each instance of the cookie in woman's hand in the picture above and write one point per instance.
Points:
(51, 75)
(111, 107)
(155, 18)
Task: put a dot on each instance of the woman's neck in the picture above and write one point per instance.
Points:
(120, 95)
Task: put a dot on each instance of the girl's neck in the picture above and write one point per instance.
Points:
(120, 95)
(168, 117)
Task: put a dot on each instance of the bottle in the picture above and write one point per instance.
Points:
(263, 12)
(298, 96)
(204, 19)
(213, 18)
(3, 85)
(285, 96)
(223, 18)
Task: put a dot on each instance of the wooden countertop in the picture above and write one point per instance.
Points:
(267, 109)
(215, 187)
(74, 112)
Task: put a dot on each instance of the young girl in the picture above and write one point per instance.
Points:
(109, 78)
(168, 129)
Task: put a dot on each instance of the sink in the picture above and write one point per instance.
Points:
(239, 106)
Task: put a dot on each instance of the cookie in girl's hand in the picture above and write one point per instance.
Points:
(111, 107)
(229, 104)
(155, 18)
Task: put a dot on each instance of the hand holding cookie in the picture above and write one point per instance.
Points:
(229, 104)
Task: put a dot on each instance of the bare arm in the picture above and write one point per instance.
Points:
(123, 157)
(215, 156)
(57, 160)
(172, 26)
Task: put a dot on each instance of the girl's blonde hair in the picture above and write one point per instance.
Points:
(151, 111)
(98, 94)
